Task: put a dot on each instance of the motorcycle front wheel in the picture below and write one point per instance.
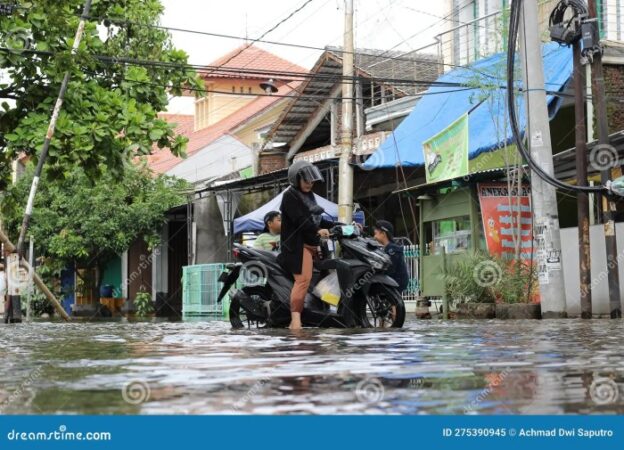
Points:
(383, 307)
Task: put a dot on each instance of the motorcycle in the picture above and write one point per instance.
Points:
(356, 291)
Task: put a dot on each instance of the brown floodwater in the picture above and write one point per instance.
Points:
(204, 367)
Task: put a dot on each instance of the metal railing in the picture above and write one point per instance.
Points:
(412, 255)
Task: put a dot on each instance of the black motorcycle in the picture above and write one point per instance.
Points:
(357, 292)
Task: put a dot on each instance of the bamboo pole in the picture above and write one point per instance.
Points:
(36, 278)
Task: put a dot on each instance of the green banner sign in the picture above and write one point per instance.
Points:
(446, 153)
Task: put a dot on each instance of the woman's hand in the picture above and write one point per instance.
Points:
(324, 233)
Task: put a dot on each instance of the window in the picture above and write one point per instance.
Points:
(454, 234)
(234, 89)
(242, 90)
(249, 91)
(202, 113)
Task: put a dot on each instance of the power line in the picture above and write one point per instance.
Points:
(111, 61)
(241, 71)
(384, 55)
(273, 28)
(453, 12)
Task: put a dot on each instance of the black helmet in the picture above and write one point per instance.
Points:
(307, 171)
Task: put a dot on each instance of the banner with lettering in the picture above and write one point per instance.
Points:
(507, 218)
(446, 153)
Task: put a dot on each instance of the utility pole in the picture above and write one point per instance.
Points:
(15, 300)
(582, 198)
(544, 199)
(608, 205)
(345, 179)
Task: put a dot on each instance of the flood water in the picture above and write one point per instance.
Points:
(428, 367)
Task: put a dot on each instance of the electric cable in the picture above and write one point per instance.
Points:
(514, 21)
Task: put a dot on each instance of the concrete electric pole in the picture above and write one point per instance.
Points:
(544, 199)
(345, 176)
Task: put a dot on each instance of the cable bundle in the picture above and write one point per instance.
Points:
(514, 22)
(569, 32)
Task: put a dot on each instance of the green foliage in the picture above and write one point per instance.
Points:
(144, 305)
(39, 304)
(462, 284)
(514, 285)
(482, 278)
(110, 111)
(86, 222)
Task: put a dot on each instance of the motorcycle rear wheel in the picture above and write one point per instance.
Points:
(241, 318)
(383, 307)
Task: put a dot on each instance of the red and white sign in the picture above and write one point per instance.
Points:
(506, 217)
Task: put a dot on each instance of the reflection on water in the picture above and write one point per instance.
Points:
(429, 367)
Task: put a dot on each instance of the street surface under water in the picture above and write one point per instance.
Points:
(428, 367)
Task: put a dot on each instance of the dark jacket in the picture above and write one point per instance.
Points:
(298, 228)
(398, 269)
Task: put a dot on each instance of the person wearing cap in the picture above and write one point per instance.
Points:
(302, 227)
(384, 234)
(269, 240)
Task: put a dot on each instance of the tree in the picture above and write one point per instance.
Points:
(84, 223)
(110, 114)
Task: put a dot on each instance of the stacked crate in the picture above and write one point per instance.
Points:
(200, 290)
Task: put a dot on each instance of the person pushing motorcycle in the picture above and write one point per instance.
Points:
(302, 228)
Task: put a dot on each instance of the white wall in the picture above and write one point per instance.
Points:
(600, 289)
(222, 157)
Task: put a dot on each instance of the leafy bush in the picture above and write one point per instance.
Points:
(39, 304)
(519, 282)
(461, 284)
(143, 304)
(482, 278)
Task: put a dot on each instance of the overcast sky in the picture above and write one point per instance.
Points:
(379, 24)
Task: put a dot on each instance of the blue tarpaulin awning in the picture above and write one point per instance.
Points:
(254, 221)
(486, 104)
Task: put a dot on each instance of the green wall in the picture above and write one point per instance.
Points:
(112, 275)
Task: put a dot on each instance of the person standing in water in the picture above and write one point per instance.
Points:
(302, 228)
